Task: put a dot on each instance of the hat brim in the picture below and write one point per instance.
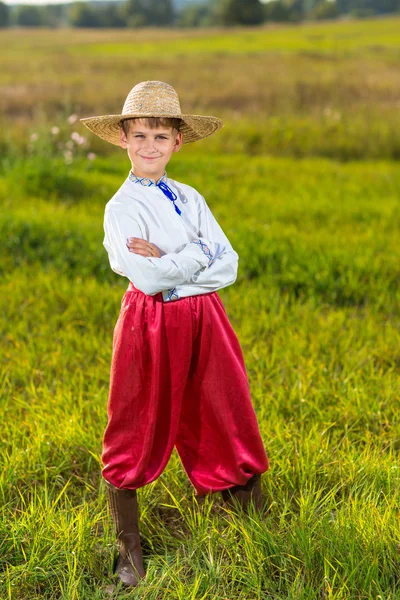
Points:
(193, 127)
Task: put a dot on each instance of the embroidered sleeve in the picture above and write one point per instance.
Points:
(223, 258)
(206, 250)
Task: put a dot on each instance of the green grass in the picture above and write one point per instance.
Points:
(316, 310)
(305, 182)
(337, 38)
(329, 90)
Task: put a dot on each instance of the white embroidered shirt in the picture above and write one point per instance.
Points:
(196, 256)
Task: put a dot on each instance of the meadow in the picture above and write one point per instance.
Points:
(304, 180)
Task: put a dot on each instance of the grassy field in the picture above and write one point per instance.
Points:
(322, 90)
(305, 183)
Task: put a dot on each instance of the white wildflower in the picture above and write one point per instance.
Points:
(68, 157)
(78, 139)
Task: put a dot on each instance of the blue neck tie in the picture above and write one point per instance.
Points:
(169, 193)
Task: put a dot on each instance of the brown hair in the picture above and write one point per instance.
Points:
(153, 123)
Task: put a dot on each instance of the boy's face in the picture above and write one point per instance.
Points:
(149, 149)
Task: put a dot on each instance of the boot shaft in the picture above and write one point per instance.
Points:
(125, 514)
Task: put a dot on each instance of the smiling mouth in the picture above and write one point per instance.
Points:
(150, 157)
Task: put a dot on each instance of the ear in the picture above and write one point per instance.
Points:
(178, 142)
(122, 139)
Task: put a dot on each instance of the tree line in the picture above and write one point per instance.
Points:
(204, 13)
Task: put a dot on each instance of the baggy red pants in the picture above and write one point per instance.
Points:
(178, 379)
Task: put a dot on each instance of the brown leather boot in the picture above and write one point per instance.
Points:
(125, 513)
(244, 494)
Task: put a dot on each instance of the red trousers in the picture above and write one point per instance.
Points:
(178, 379)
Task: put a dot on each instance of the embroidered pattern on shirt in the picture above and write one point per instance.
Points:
(206, 250)
(172, 294)
(147, 182)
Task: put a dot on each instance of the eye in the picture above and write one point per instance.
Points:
(138, 135)
(162, 137)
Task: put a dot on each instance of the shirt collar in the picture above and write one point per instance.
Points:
(146, 181)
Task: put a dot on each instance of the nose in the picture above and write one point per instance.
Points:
(149, 146)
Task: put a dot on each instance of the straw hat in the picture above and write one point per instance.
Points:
(153, 99)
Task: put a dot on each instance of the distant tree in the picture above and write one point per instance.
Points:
(297, 9)
(54, 15)
(145, 13)
(82, 14)
(310, 5)
(135, 13)
(161, 12)
(344, 6)
(4, 15)
(239, 12)
(28, 16)
(326, 9)
(195, 15)
(301, 9)
(111, 15)
(276, 11)
(377, 6)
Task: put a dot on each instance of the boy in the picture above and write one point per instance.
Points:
(177, 375)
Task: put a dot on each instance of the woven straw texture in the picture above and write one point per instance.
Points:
(153, 99)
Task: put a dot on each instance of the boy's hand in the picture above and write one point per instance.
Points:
(139, 246)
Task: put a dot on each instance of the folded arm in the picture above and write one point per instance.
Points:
(149, 274)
